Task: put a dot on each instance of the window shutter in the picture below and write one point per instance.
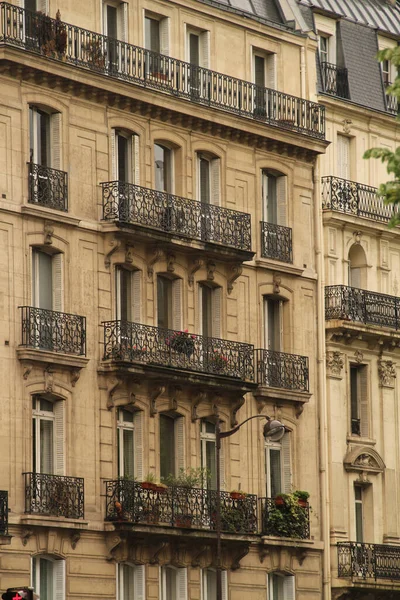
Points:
(138, 421)
(287, 474)
(224, 581)
(56, 141)
(205, 49)
(222, 466)
(128, 450)
(177, 304)
(59, 578)
(264, 191)
(59, 437)
(136, 160)
(164, 36)
(289, 587)
(181, 584)
(343, 156)
(271, 71)
(355, 277)
(363, 387)
(259, 71)
(43, 6)
(57, 280)
(136, 296)
(216, 312)
(215, 181)
(139, 582)
(281, 199)
(46, 446)
(199, 312)
(122, 21)
(180, 443)
(114, 166)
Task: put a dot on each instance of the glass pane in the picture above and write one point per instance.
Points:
(128, 579)
(275, 474)
(164, 302)
(126, 415)
(194, 49)
(170, 584)
(125, 299)
(206, 299)
(167, 446)
(272, 209)
(43, 139)
(259, 68)
(211, 463)
(210, 427)
(204, 181)
(30, 5)
(152, 34)
(122, 148)
(359, 523)
(211, 577)
(34, 467)
(45, 281)
(128, 467)
(46, 447)
(162, 166)
(46, 405)
(46, 579)
(112, 21)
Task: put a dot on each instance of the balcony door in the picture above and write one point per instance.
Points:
(115, 18)
(343, 156)
(127, 286)
(209, 311)
(264, 77)
(172, 446)
(48, 577)
(273, 324)
(278, 467)
(208, 193)
(169, 303)
(156, 41)
(198, 51)
(47, 436)
(130, 444)
(273, 189)
(47, 280)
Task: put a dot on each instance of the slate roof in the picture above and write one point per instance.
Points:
(260, 10)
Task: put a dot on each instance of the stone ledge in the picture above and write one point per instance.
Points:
(44, 356)
(59, 522)
(49, 214)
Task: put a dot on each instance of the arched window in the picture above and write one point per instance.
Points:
(127, 294)
(47, 435)
(209, 310)
(208, 178)
(125, 156)
(357, 267)
(281, 586)
(209, 584)
(274, 190)
(48, 577)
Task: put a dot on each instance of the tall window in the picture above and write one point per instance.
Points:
(273, 198)
(357, 267)
(127, 286)
(281, 587)
(209, 313)
(264, 74)
(163, 169)
(115, 22)
(131, 582)
(47, 436)
(48, 578)
(198, 48)
(208, 181)
(208, 454)
(343, 156)
(156, 34)
(36, 5)
(130, 444)
(44, 138)
(278, 467)
(47, 280)
(323, 43)
(209, 584)
(359, 516)
(273, 322)
(125, 156)
(172, 446)
(169, 302)
(173, 583)
(359, 400)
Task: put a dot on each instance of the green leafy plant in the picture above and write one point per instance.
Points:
(287, 518)
(232, 519)
(189, 478)
(181, 341)
(218, 361)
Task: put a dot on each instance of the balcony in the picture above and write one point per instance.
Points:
(53, 331)
(362, 306)
(392, 102)
(335, 80)
(176, 506)
(353, 198)
(134, 343)
(282, 519)
(282, 370)
(276, 242)
(73, 45)
(54, 495)
(375, 561)
(134, 205)
(48, 187)
(3, 513)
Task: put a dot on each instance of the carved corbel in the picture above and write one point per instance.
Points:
(299, 409)
(114, 245)
(48, 231)
(49, 379)
(199, 396)
(27, 370)
(236, 271)
(196, 265)
(174, 394)
(129, 254)
(155, 392)
(234, 409)
(199, 554)
(74, 376)
(112, 386)
(241, 553)
(178, 554)
(277, 280)
(155, 257)
(112, 544)
(211, 266)
(170, 263)
(263, 552)
(74, 537)
(25, 535)
(300, 554)
(155, 557)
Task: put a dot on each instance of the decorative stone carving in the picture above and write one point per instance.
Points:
(334, 363)
(236, 271)
(156, 255)
(277, 279)
(357, 237)
(359, 356)
(196, 265)
(347, 125)
(129, 254)
(211, 266)
(387, 373)
(363, 459)
(48, 232)
(114, 245)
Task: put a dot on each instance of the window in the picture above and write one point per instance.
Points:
(48, 578)
(173, 583)
(156, 35)
(323, 43)
(273, 198)
(130, 444)
(130, 582)
(127, 285)
(357, 267)
(209, 311)
(208, 180)
(359, 400)
(35, 5)
(47, 280)
(169, 302)
(198, 48)
(47, 436)
(208, 454)
(359, 518)
(209, 584)
(281, 587)
(277, 467)
(264, 76)
(163, 169)
(125, 156)
(343, 157)
(172, 447)
(44, 138)
(273, 324)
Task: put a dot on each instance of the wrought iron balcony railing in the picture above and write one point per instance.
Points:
(178, 506)
(134, 342)
(377, 561)
(354, 198)
(392, 102)
(53, 331)
(48, 187)
(335, 80)
(133, 204)
(54, 495)
(276, 242)
(61, 41)
(3, 512)
(363, 306)
(281, 370)
(282, 520)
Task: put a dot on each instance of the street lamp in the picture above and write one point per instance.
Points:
(273, 430)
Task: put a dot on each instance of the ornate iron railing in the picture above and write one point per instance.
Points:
(48, 187)
(61, 41)
(335, 80)
(282, 370)
(133, 204)
(354, 198)
(178, 506)
(134, 342)
(378, 561)
(276, 242)
(54, 331)
(282, 520)
(392, 102)
(354, 304)
(3, 512)
(54, 495)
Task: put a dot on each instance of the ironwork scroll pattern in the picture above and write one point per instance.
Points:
(179, 506)
(3, 512)
(335, 80)
(282, 370)
(276, 242)
(353, 304)
(133, 204)
(354, 198)
(297, 526)
(377, 561)
(392, 102)
(48, 187)
(54, 495)
(134, 342)
(53, 331)
(124, 61)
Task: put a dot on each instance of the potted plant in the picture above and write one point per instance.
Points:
(238, 495)
(218, 361)
(287, 518)
(181, 341)
(149, 483)
(302, 497)
(94, 53)
(232, 520)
